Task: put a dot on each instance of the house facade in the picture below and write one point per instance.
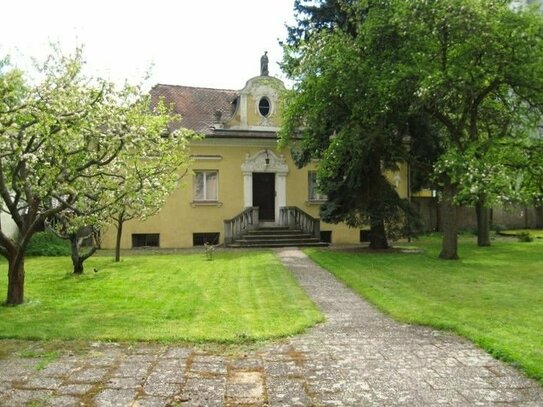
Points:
(239, 177)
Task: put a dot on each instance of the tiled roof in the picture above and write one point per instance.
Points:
(197, 106)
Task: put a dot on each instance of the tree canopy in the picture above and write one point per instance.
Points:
(477, 72)
(61, 139)
(322, 15)
(151, 169)
(334, 117)
(472, 71)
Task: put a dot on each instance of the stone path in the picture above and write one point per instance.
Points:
(358, 357)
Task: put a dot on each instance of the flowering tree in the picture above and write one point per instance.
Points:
(60, 138)
(152, 169)
(137, 182)
(477, 71)
(54, 137)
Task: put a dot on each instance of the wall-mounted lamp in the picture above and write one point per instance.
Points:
(267, 159)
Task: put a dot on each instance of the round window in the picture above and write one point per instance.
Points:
(264, 107)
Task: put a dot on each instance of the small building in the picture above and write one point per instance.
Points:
(240, 179)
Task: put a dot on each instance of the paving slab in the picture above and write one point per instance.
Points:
(358, 357)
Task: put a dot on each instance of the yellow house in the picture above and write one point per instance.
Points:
(240, 180)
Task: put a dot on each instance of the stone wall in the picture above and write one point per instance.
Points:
(510, 216)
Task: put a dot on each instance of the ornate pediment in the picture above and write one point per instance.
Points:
(264, 161)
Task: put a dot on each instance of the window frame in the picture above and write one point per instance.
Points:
(267, 99)
(212, 238)
(313, 195)
(204, 189)
(146, 238)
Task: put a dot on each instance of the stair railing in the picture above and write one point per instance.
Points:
(293, 217)
(235, 227)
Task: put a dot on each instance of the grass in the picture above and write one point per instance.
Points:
(238, 297)
(535, 233)
(492, 295)
(45, 358)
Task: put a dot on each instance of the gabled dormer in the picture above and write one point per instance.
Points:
(257, 106)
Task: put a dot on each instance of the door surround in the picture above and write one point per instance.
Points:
(265, 161)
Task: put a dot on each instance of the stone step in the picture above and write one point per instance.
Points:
(271, 231)
(273, 244)
(277, 236)
(277, 241)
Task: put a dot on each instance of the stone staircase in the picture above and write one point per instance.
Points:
(275, 236)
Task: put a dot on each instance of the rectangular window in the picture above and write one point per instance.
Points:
(146, 240)
(199, 239)
(314, 194)
(364, 236)
(206, 185)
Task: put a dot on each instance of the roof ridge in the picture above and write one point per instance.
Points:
(194, 87)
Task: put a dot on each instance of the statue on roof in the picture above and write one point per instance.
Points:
(264, 64)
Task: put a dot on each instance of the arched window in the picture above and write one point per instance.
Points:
(264, 107)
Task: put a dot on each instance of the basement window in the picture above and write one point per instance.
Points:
(145, 240)
(364, 236)
(199, 239)
(326, 236)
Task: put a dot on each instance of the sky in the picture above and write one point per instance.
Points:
(204, 43)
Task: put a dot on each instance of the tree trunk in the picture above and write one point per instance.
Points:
(77, 261)
(449, 247)
(78, 267)
(120, 222)
(378, 239)
(483, 224)
(539, 217)
(16, 280)
(79, 258)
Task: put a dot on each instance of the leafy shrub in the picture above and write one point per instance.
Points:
(525, 237)
(48, 244)
(498, 227)
(468, 231)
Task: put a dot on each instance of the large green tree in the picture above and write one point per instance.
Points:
(332, 114)
(321, 15)
(533, 177)
(523, 158)
(473, 69)
(478, 74)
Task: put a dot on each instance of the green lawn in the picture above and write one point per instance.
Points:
(237, 297)
(534, 233)
(494, 296)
